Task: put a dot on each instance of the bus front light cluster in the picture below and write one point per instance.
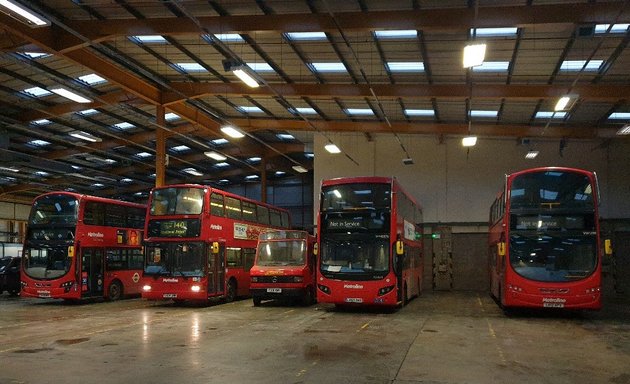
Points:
(254, 279)
(324, 289)
(514, 288)
(146, 288)
(385, 290)
(593, 290)
(298, 279)
(66, 286)
(195, 288)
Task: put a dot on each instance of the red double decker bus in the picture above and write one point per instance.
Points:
(544, 240)
(284, 267)
(79, 246)
(370, 243)
(201, 242)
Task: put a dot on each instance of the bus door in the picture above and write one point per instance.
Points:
(91, 272)
(216, 269)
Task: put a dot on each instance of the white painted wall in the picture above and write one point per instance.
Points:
(454, 185)
(11, 211)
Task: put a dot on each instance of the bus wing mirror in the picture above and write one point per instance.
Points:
(215, 247)
(608, 247)
(71, 251)
(400, 248)
(501, 248)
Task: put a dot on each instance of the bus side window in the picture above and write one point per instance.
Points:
(234, 257)
(262, 214)
(233, 207)
(249, 254)
(216, 205)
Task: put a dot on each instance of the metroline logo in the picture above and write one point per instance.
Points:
(216, 226)
(95, 234)
(353, 286)
(554, 300)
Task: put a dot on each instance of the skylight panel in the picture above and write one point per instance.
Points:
(492, 66)
(405, 66)
(229, 37)
(41, 122)
(172, 116)
(619, 116)
(577, 65)
(479, 113)
(123, 126)
(192, 171)
(41, 173)
(180, 148)
(222, 165)
(251, 177)
(143, 155)
(126, 180)
(37, 92)
(248, 109)
(38, 143)
(35, 55)
(304, 110)
(254, 159)
(493, 32)
(150, 39)
(616, 28)
(550, 114)
(110, 161)
(220, 141)
(419, 112)
(359, 111)
(260, 67)
(328, 67)
(280, 173)
(92, 79)
(285, 136)
(191, 67)
(309, 155)
(87, 112)
(397, 34)
(306, 36)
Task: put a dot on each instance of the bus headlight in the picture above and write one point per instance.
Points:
(66, 286)
(254, 279)
(324, 289)
(385, 290)
(146, 288)
(298, 279)
(195, 288)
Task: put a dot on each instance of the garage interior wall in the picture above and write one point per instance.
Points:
(456, 185)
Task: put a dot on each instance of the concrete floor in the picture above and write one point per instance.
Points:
(442, 337)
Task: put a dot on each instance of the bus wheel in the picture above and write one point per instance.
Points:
(230, 293)
(115, 291)
(309, 297)
(257, 301)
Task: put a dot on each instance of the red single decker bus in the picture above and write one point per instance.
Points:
(284, 267)
(201, 242)
(544, 242)
(79, 246)
(370, 243)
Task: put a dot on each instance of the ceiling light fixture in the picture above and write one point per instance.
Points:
(625, 130)
(70, 95)
(85, 136)
(474, 55)
(531, 154)
(565, 102)
(22, 14)
(332, 148)
(242, 71)
(469, 141)
(232, 132)
(299, 168)
(215, 155)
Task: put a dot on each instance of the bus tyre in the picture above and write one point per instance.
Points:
(309, 297)
(230, 293)
(257, 301)
(115, 291)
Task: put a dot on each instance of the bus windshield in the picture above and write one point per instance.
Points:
(359, 256)
(177, 201)
(281, 253)
(46, 262)
(551, 189)
(175, 259)
(54, 209)
(356, 196)
(553, 256)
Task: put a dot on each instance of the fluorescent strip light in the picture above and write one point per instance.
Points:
(222, 165)
(70, 95)
(285, 136)
(405, 66)
(328, 67)
(248, 109)
(254, 159)
(332, 148)
(306, 110)
(145, 39)
(215, 155)
(477, 113)
(27, 14)
(619, 116)
(494, 32)
(9, 169)
(474, 55)
(469, 141)
(553, 115)
(92, 79)
(360, 111)
(232, 132)
(251, 177)
(280, 173)
(229, 37)
(246, 78)
(171, 116)
(419, 112)
(531, 155)
(85, 136)
(298, 168)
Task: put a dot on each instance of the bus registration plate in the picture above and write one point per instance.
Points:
(354, 300)
(553, 305)
(170, 295)
(274, 290)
